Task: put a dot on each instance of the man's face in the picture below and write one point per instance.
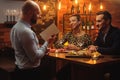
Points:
(73, 21)
(33, 20)
(35, 16)
(100, 22)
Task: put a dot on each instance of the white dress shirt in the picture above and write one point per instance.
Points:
(28, 53)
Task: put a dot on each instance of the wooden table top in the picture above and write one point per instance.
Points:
(106, 59)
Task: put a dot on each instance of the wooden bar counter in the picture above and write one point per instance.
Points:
(86, 68)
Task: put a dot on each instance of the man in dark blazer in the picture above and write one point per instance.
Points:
(108, 39)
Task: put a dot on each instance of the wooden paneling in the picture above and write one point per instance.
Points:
(4, 35)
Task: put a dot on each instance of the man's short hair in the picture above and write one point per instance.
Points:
(107, 15)
(28, 5)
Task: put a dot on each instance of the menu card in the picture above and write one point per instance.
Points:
(49, 31)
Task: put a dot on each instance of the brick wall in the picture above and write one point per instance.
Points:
(110, 5)
(4, 35)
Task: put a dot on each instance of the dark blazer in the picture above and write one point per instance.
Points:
(111, 45)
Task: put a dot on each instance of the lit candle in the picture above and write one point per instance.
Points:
(76, 2)
(90, 7)
(56, 53)
(101, 6)
(94, 61)
(59, 5)
(90, 10)
(94, 56)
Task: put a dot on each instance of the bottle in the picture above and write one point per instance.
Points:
(88, 25)
(92, 25)
(78, 9)
(72, 9)
(84, 8)
(83, 25)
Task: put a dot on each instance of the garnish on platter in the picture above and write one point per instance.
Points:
(83, 53)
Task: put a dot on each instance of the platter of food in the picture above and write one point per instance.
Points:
(83, 54)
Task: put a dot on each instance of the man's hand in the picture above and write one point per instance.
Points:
(92, 48)
(51, 39)
(71, 47)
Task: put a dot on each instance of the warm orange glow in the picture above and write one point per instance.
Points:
(92, 61)
(90, 7)
(56, 53)
(59, 5)
(44, 7)
(94, 56)
(101, 6)
(76, 1)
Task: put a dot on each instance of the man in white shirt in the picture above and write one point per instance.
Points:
(28, 53)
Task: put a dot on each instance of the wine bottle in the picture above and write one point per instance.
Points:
(84, 8)
(72, 9)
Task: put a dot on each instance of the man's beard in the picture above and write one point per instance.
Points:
(33, 21)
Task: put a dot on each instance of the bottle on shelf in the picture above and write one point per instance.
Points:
(92, 25)
(72, 9)
(78, 9)
(88, 25)
(84, 8)
(83, 25)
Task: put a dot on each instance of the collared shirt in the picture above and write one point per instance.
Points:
(28, 53)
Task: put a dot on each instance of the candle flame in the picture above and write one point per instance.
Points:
(59, 5)
(90, 7)
(94, 61)
(76, 1)
(101, 6)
